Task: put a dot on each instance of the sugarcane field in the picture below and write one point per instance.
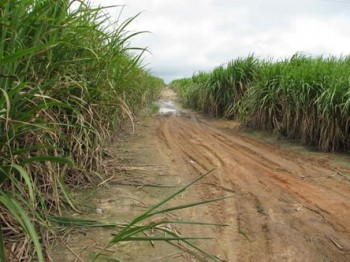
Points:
(174, 131)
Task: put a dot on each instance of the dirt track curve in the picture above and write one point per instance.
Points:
(285, 206)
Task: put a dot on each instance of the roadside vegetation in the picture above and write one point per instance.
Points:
(304, 98)
(68, 78)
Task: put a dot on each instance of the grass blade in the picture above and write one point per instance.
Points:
(2, 247)
(21, 216)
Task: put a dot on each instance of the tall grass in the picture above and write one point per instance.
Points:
(218, 93)
(305, 98)
(67, 79)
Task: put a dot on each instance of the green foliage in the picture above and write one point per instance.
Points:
(182, 86)
(151, 225)
(67, 77)
(218, 93)
(142, 224)
(305, 98)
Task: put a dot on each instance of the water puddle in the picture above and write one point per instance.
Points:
(167, 106)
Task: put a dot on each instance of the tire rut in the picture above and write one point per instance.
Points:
(277, 214)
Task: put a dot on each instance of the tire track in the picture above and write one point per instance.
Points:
(277, 215)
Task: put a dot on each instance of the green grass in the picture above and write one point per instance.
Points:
(151, 225)
(303, 98)
(68, 78)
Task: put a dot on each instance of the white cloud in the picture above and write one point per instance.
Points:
(189, 36)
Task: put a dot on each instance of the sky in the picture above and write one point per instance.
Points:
(188, 36)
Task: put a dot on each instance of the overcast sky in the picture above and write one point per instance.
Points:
(188, 36)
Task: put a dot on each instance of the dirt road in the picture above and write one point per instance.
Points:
(287, 204)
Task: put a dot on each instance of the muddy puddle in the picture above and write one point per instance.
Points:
(168, 107)
(169, 104)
